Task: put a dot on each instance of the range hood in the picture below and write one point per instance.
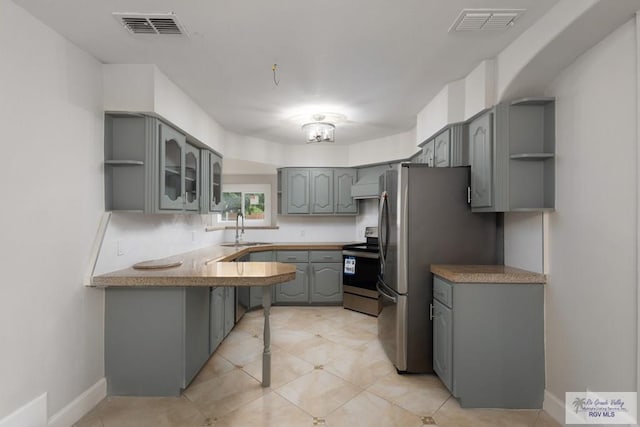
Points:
(368, 185)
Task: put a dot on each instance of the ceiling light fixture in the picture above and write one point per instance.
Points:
(319, 131)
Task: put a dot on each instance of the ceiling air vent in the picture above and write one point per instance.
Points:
(485, 19)
(151, 23)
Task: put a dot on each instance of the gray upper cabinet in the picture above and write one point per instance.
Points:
(343, 180)
(151, 167)
(316, 191)
(441, 149)
(321, 191)
(180, 171)
(428, 154)
(448, 148)
(512, 150)
(211, 182)
(480, 149)
(297, 199)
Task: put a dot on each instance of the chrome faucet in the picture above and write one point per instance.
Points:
(238, 235)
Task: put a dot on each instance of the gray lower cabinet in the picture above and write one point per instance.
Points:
(156, 339)
(255, 293)
(489, 343)
(296, 290)
(229, 309)
(326, 282)
(216, 318)
(442, 343)
(318, 278)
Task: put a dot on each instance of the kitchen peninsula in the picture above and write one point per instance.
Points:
(158, 320)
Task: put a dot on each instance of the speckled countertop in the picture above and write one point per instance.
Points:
(211, 266)
(486, 274)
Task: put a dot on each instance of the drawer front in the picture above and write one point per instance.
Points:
(326, 256)
(442, 291)
(293, 256)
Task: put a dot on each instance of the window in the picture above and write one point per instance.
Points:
(253, 201)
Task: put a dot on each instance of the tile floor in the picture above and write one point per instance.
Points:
(328, 369)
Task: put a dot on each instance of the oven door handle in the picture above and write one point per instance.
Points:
(386, 295)
(358, 254)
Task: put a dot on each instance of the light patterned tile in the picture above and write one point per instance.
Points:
(318, 393)
(221, 395)
(149, 412)
(359, 370)
(284, 368)
(89, 420)
(318, 350)
(266, 411)
(545, 420)
(367, 409)
(242, 352)
(215, 366)
(420, 394)
(452, 415)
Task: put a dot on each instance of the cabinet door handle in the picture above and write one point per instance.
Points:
(468, 195)
(431, 314)
(327, 257)
(292, 257)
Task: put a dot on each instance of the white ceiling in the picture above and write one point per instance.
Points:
(377, 61)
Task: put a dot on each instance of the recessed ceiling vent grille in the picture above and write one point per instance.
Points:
(486, 19)
(151, 23)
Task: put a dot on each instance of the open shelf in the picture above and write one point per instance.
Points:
(531, 156)
(172, 171)
(124, 162)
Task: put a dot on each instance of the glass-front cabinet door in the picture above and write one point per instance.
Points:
(191, 181)
(172, 145)
(215, 183)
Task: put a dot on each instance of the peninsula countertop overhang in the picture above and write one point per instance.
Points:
(212, 266)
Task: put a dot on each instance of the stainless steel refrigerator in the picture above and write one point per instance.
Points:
(424, 219)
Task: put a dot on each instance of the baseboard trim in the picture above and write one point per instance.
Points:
(554, 407)
(32, 414)
(82, 404)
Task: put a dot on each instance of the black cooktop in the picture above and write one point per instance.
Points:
(371, 245)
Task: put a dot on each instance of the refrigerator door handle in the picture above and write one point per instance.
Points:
(383, 231)
(386, 295)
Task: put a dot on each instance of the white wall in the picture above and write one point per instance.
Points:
(144, 88)
(591, 293)
(51, 326)
(523, 241)
(479, 89)
(135, 237)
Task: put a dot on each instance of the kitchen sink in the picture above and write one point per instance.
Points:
(245, 244)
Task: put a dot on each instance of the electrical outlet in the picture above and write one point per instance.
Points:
(193, 236)
(120, 247)
(303, 233)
